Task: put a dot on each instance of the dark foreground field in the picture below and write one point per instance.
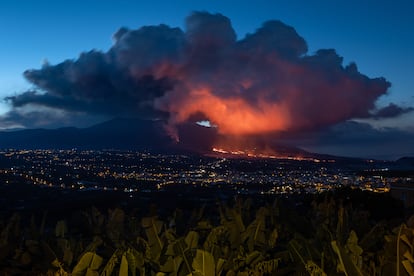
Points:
(47, 231)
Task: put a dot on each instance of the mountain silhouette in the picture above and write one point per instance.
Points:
(134, 134)
(116, 133)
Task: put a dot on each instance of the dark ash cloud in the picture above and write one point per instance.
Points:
(91, 84)
(262, 84)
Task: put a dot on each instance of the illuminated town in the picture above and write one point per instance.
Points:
(147, 172)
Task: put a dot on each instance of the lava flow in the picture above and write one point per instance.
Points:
(265, 155)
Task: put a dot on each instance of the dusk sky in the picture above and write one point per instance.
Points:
(377, 36)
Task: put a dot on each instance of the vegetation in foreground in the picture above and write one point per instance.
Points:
(341, 233)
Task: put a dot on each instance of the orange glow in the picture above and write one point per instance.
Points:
(265, 154)
(233, 116)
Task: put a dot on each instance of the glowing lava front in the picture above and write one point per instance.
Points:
(255, 154)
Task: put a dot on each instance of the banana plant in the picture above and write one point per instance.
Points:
(153, 227)
(88, 265)
(349, 256)
(255, 235)
(203, 264)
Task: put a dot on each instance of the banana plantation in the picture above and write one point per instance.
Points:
(325, 234)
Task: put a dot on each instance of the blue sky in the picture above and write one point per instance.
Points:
(376, 35)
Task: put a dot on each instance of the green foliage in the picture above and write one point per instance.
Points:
(248, 238)
(110, 265)
(346, 263)
(123, 268)
(61, 229)
(88, 264)
(153, 227)
(203, 264)
(115, 225)
(191, 240)
(405, 247)
(313, 269)
(255, 234)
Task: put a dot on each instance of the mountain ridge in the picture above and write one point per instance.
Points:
(133, 134)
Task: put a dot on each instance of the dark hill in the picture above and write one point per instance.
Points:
(116, 133)
(138, 134)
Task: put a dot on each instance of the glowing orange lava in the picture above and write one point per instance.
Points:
(254, 154)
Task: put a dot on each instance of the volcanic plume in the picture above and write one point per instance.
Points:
(262, 84)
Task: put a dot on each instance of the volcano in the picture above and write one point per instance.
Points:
(138, 134)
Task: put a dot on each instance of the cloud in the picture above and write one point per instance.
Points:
(356, 139)
(390, 111)
(91, 84)
(262, 84)
(43, 117)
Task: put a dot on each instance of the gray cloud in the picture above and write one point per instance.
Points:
(356, 139)
(47, 118)
(263, 83)
(390, 111)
